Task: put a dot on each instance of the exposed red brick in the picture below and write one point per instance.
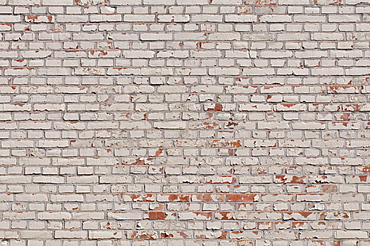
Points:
(240, 197)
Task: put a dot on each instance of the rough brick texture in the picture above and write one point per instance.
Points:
(184, 122)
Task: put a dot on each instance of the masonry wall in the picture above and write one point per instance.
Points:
(184, 122)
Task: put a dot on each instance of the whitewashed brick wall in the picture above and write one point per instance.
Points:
(184, 122)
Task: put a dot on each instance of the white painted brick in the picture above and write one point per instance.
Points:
(66, 198)
(34, 125)
(326, 36)
(105, 18)
(351, 234)
(115, 179)
(102, 125)
(240, 18)
(183, 122)
(321, 234)
(72, 18)
(18, 216)
(138, 54)
(226, 2)
(292, 2)
(54, 2)
(53, 143)
(155, 36)
(258, 71)
(123, 36)
(104, 234)
(88, 36)
(26, 2)
(139, 18)
(59, 234)
(192, 2)
(128, 2)
(48, 180)
(190, 36)
(275, 54)
(54, 215)
(273, 125)
(32, 198)
(54, 71)
(170, 125)
(173, 18)
(10, 18)
(135, 125)
(159, 2)
(275, 18)
(88, 215)
(344, 18)
(255, 107)
(8, 234)
(292, 36)
(17, 143)
(90, 2)
(36, 234)
(224, 36)
(39, 18)
(125, 215)
(206, 18)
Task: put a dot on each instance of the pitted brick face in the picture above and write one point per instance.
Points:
(184, 122)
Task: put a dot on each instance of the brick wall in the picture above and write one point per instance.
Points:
(184, 122)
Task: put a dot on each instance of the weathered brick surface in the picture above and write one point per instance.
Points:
(184, 122)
